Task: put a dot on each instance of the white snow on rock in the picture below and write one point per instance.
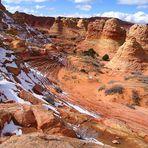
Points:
(11, 65)
(49, 107)
(11, 128)
(10, 92)
(93, 140)
(82, 110)
(3, 57)
(10, 84)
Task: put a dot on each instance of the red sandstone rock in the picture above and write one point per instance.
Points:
(130, 56)
(140, 32)
(18, 45)
(27, 96)
(38, 89)
(15, 71)
(95, 29)
(39, 140)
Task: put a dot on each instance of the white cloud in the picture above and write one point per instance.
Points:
(84, 7)
(79, 15)
(133, 2)
(21, 9)
(83, 1)
(138, 17)
(40, 6)
(19, 1)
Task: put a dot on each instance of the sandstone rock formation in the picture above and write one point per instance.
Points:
(82, 24)
(105, 36)
(140, 32)
(39, 140)
(67, 28)
(129, 56)
(113, 31)
(18, 45)
(95, 29)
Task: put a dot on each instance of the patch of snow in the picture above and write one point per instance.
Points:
(49, 107)
(3, 57)
(85, 134)
(10, 91)
(11, 128)
(81, 110)
(93, 140)
(26, 82)
(11, 65)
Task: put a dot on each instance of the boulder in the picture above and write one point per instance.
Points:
(38, 89)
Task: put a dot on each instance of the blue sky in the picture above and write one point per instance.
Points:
(129, 10)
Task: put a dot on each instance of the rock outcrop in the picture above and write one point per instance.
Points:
(40, 140)
(104, 36)
(140, 32)
(95, 29)
(130, 56)
(18, 45)
(113, 31)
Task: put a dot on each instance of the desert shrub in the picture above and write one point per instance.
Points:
(135, 97)
(113, 90)
(136, 73)
(84, 71)
(73, 38)
(105, 57)
(90, 53)
(111, 82)
(66, 78)
(74, 77)
(49, 99)
(143, 79)
(53, 36)
(101, 88)
(58, 90)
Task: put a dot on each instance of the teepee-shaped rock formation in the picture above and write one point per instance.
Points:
(112, 30)
(140, 32)
(129, 56)
(106, 36)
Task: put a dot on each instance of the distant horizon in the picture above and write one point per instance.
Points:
(125, 10)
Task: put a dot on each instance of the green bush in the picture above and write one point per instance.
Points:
(90, 53)
(105, 57)
(84, 71)
(101, 88)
